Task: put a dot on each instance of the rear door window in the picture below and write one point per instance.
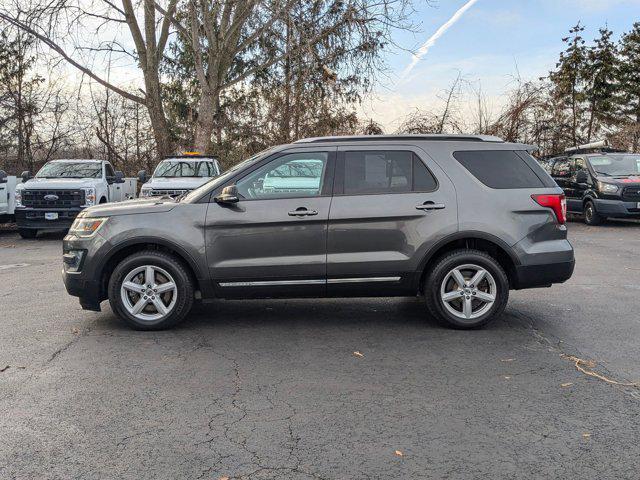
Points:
(500, 169)
(385, 171)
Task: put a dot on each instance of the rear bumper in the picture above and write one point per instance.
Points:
(617, 208)
(34, 218)
(534, 276)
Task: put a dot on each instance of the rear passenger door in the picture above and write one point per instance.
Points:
(390, 205)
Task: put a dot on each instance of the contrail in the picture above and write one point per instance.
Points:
(422, 51)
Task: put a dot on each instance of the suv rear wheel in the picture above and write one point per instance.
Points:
(466, 289)
(591, 216)
(151, 290)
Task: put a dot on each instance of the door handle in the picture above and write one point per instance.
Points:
(302, 212)
(429, 205)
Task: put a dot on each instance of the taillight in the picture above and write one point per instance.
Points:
(556, 202)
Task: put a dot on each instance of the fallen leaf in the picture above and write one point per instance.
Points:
(75, 331)
(507, 359)
(358, 354)
(399, 453)
(224, 478)
(586, 435)
(568, 384)
(507, 377)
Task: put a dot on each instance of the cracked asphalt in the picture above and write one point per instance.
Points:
(273, 390)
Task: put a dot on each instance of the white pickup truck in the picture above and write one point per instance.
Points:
(7, 197)
(179, 174)
(62, 188)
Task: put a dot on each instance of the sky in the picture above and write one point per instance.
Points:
(489, 42)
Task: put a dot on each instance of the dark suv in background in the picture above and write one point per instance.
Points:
(600, 185)
(460, 220)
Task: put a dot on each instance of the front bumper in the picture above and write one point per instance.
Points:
(617, 208)
(86, 283)
(87, 290)
(34, 218)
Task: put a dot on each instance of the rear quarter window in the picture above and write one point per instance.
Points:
(504, 169)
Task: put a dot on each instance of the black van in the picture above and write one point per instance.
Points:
(600, 185)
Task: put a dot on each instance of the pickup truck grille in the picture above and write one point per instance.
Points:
(45, 198)
(631, 194)
(172, 193)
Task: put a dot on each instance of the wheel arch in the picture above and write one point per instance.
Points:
(124, 249)
(482, 241)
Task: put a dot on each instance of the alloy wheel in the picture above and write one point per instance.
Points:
(468, 291)
(148, 293)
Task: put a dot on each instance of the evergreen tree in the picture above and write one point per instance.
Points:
(568, 81)
(629, 74)
(601, 76)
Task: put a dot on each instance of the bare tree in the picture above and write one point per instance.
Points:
(53, 22)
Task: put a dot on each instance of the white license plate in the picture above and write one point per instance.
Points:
(51, 215)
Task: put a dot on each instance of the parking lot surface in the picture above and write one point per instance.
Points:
(324, 389)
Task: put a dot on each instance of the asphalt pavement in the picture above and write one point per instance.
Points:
(324, 389)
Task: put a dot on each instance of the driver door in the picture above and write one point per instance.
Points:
(273, 242)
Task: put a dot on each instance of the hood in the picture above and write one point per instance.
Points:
(50, 183)
(176, 183)
(131, 207)
(620, 179)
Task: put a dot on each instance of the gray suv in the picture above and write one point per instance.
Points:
(459, 220)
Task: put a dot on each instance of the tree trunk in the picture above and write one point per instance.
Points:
(206, 122)
(161, 134)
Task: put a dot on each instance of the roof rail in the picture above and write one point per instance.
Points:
(430, 137)
(601, 146)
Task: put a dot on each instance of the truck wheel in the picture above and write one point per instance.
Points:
(466, 289)
(28, 232)
(151, 290)
(591, 216)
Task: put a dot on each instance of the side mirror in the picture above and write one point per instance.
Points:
(3, 176)
(142, 176)
(582, 177)
(229, 195)
(119, 178)
(26, 175)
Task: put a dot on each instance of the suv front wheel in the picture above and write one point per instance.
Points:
(466, 289)
(151, 290)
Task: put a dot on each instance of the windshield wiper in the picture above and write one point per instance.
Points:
(603, 173)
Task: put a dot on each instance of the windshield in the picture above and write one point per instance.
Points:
(70, 170)
(616, 164)
(185, 168)
(215, 182)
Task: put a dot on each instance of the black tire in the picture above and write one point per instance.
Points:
(28, 233)
(181, 277)
(591, 216)
(457, 258)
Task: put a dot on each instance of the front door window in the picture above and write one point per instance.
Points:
(295, 175)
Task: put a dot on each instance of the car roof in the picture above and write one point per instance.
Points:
(455, 141)
(68, 160)
(186, 158)
(426, 137)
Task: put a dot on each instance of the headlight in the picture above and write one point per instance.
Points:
(18, 197)
(89, 196)
(145, 192)
(607, 187)
(86, 227)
